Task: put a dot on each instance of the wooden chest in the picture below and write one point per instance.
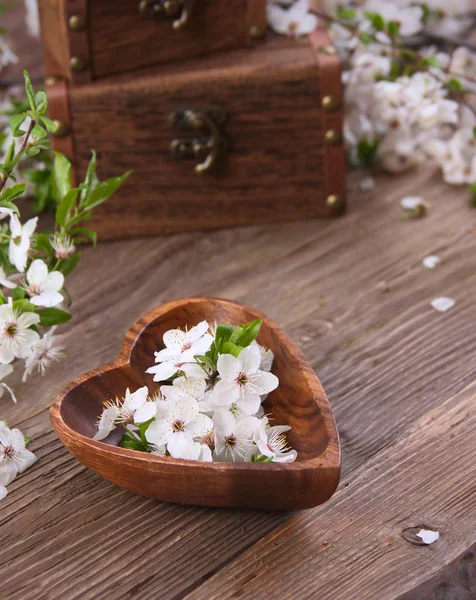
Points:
(243, 137)
(86, 40)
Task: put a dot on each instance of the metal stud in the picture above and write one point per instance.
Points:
(51, 80)
(171, 8)
(62, 129)
(335, 203)
(77, 64)
(257, 32)
(76, 23)
(330, 103)
(327, 50)
(333, 136)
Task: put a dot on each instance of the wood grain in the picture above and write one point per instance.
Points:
(274, 168)
(299, 402)
(352, 293)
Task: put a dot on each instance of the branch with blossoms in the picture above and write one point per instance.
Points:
(33, 266)
(405, 104)
(209, 406)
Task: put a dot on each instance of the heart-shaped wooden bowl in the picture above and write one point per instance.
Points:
(299, 401)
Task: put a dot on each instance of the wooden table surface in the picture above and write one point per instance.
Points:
(400, 376)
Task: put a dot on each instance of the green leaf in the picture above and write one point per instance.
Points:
(52, 316)
(432, 61)
(13, 192)
(143, 427)
(65, 207)
(455, 85)
(3, 300)
(49, 125)
(42, 242)
(231, 348)
(365, 38)
(393, 28)
(61, 176)
(104, 190)
(41, 102)
(367, 152)
(24, 305)
(68, 264)
(30, 94)
(346, 14)
(9, 205)
(376, 19)
(132, 443)
(91, 181)
(250, 332)
(83, 232)
(38, 132)
(18, 294)
(33, 151)
(15, 122)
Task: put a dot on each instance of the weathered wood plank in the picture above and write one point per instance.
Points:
(385, 359)
(354, 547)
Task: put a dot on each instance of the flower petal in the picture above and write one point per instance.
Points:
(266, 382)
(250, 358)
(158, 433)
(3, 492)
(228, 366)
(225, 393)
(249, 402)
(8, 471)
(180, 445)
(37, 273)
(224, 421)
(145, 413)
(163, 371)
(47, 299)
(196, 332)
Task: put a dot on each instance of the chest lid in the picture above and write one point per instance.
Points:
(90, 40)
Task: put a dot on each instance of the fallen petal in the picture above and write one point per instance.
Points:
(366, 184)
(430, 262)
(443, 303)
(3, 492)
(411, 202)
(427, 536)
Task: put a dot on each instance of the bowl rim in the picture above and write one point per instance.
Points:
(330, 458)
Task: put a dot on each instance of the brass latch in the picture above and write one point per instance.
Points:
(205, 148)
(179, 10)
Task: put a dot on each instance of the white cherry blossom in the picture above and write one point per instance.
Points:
(14, 457)
(43, 353)
(42, 286)
(272, 443)
(177, 421)
(295, 20)
(242, 381)
(134, 409)
(180, 349)
(234, 437)
(3, 492)
(16, 337)
(20, 241)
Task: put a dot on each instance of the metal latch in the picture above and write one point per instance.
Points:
(207, 147)
(179, 10)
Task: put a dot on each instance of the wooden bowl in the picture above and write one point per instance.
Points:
(299, 401)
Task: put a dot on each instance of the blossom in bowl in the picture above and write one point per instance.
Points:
(272, 443)
(134, 409)
(177, 421)
(44, 351)
(295, 20)
(242, 381)
(42, 286)
(233, 437)
(180, 349)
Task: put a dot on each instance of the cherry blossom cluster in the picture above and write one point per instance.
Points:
(209, 404)
(407, 102)
(14, 456)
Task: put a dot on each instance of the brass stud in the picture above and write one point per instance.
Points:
(77, 64)
(327, 50)
(257, 32)
(335, 203)
(171, 8)
(143, 7)
(62, 129)
(51, 80)
(76, 23)
(333, 136)
(330, 103)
